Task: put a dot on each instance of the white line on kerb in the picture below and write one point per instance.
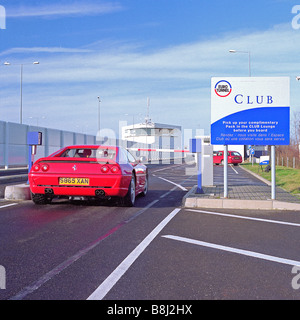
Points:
(176, 184)
(245, 217)
(235, 250)
(115, 276)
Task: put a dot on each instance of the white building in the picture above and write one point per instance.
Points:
(157, 135)
(154, 136)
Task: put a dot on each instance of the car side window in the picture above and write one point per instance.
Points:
(220, 153)
(121, 156)
(125, 156)
(130, 157)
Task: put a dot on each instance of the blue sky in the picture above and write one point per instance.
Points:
(126, 51)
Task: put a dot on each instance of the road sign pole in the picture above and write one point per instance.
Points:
(273, 173)
(225, 171)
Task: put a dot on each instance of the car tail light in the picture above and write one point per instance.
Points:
(104, 169)
(45, 167)
(114, 169)
(36, 167)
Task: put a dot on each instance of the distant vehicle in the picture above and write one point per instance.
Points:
(234, 157)
(86, 172)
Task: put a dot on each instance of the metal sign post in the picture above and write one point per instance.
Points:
(252, 152)
(225, 171)
(273, 174)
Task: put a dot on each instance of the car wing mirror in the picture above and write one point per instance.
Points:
(142, 159)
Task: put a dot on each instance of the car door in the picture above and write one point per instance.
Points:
(139, 171)
(218, 157)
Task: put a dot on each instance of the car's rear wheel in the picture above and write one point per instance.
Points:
(129, 199)
(145, 191)
(38, 198)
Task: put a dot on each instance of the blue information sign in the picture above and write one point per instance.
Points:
(250, 111)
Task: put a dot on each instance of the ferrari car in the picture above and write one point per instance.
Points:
(88, 172)
(234, 158)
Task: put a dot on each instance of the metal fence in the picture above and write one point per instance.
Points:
(290, 162)
(14, 148)
(13, 142)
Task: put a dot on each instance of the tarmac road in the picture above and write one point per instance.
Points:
(156, 250)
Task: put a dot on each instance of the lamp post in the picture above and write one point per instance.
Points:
(128, 114)
(99, 102)
(249, 57)
(37, 119)
(21, 86)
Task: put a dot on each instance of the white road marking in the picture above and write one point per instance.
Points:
(245, 217)
(148, 206)
(234, 170)
(176, 184)
(167, 193)
(115, 276)
(235, 250)
(8, 205)
(171, 167)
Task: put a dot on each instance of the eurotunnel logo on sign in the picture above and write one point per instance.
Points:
(223, 88)
(250, 111)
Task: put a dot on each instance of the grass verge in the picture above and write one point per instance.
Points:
(286, 178)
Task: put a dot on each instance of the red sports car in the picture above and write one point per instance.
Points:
(88, 172)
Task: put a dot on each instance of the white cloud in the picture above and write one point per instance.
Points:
(43, 50)
(64, 9)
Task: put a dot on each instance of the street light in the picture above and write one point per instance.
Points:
(99, 101)
(127, 114)
(37, 119)
(21, 85)
(248, 52)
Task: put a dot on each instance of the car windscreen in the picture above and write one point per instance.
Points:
(99, 153)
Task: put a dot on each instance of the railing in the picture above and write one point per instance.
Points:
(290, 162)
(14, 148)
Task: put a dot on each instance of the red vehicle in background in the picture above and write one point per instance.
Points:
(234, 157)
(87, 172)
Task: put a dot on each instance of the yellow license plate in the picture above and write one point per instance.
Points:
(74, 181)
